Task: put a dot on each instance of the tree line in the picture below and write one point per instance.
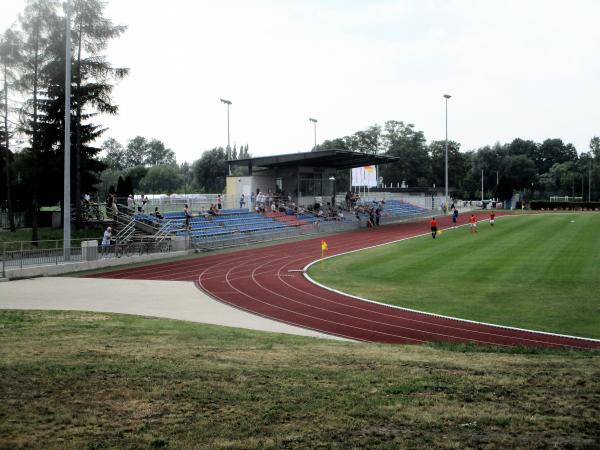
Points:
(537, 169)
(146, 166)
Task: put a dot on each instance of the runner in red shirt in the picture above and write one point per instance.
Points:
(473, 223)
(433, 224)
(492, 217)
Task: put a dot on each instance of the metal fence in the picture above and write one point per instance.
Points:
(19, 259)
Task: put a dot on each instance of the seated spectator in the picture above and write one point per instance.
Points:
(273, 207)
(204, 213)
(157, 214)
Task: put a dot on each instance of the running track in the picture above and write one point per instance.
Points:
(269, 282)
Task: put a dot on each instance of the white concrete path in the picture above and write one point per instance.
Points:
(179, 300)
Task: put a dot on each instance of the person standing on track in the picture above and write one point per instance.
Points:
(433, 224)
(454, 215)
(473, 223)
(492, 218)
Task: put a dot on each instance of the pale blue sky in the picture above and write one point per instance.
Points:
(526, 69)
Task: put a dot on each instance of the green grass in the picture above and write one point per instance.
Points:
(535, 271)
(100, 381)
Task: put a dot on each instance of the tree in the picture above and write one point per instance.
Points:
(185, 173)
(92, 32)
(458, 165)
(210, 171)
(135, 175)
(38, 22)
(414, 166)
(595, 147)
(164, 179)
(136, 152)
(157, 154)
(115, 154)
(367, 141)
(554, 151)
(10, 58)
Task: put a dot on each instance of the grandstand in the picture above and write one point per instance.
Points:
(238, 226)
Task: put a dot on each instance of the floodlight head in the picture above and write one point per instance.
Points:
(227, 102)
(446, 96)
(332, 178)
(312, 120)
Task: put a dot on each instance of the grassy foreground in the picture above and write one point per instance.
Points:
(534, 271)
(96, 381)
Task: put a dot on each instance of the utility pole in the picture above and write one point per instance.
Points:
(227, 102)
(446, 96)
(67, 141)
(482, 187)
(314, 121)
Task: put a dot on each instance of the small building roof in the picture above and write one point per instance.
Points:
(334, 159)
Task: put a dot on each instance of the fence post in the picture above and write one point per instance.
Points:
(3, 261)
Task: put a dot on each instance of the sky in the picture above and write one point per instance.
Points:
(527, 69)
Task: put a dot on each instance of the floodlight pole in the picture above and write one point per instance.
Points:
(482, 187)
(446, 96)
(590, 181)
(67, 141)
(227, 102)
(314, 121)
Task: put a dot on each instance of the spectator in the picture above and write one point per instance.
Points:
(187, 217)
(106, 238)
(219, 204)
(157, 214)
(377, 215)
(115, 208)
(144, 201)
(130, 202)
(242, 201)
(454, 215)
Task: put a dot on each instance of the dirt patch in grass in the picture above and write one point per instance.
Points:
(110, 381)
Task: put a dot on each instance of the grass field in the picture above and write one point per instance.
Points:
(539, 272)
(100, 381)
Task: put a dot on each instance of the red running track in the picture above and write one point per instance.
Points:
(269, 282)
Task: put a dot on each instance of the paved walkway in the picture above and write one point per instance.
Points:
(179, 300)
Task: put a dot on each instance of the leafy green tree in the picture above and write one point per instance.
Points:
(458, 165)
(136, 175)
(554, 151)
(187, 178)
(164, 179)
(136, 152)
(157, 154)
(108, 179)
(115, 154)
(210, 171)
(403, 141)
(366, 141)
